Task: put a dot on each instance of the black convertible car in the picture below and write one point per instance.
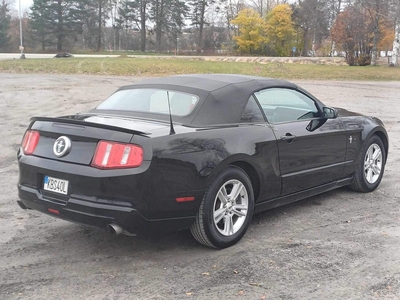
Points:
(203, 152)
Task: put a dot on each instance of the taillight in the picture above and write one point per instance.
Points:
(111, 155)
(30, 141)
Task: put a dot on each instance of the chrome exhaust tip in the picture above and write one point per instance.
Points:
(114, 229)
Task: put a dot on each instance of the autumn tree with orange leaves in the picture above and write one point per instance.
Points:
(351, 35)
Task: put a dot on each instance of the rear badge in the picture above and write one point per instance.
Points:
(62, 146)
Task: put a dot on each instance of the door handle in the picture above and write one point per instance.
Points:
(288, 137)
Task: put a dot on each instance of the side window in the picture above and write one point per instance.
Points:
(252, 112)
(286, 105)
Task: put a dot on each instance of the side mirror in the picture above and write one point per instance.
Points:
(330, 113)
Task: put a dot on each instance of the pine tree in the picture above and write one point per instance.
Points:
(40, 23)
(97, 14)
(135, 12)
(57, 20)
(5, 19)
(198, 18)
(168, 17)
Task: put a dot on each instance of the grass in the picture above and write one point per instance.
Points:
(147, 67)
(137, 53)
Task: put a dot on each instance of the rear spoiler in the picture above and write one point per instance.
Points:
(67, 120)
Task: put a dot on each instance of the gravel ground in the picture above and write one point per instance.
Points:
(339, 245)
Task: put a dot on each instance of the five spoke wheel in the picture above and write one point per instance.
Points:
(368, 174)
(230, 207)
(373, 163)
(226, 209)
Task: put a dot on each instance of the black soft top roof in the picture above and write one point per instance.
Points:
(223, 97)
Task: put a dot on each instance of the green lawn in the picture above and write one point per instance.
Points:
(147, 67)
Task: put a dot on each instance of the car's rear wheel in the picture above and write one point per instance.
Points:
(369, 173)
(226, 210)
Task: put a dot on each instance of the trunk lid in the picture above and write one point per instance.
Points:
(85, 131)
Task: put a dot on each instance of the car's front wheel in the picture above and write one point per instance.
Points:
(369, 173)
(226, 210)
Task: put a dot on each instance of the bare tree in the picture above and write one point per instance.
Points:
(230, 10)
(263, 7)
(377, 10)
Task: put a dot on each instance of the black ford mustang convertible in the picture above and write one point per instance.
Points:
(203, 152)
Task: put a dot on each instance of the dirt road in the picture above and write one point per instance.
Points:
(339, 245)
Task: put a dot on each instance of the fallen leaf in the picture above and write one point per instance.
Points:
(240, 293)
(254, 284)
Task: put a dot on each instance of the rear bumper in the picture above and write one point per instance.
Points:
(99, 215)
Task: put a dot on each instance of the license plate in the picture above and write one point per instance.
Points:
(55, 185)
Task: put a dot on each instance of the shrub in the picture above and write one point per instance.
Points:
(364, 60)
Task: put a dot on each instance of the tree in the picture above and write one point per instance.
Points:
(143, 14)
(263, 7)
(311, 18)
(58, 19)
(97, 13)
(40, 25)
(168, 17)
(198, 18)
(396, 40)
(251, 27)
(279, 29)
(377, 10)
(179, 11)
(134, 14)
(101, 7)
(5, 19)
(114, 5)
(230, 10)
(351, 33)
(386, 42)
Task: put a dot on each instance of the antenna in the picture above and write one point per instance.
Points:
(171, 131)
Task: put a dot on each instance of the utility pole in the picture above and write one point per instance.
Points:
(21, 47)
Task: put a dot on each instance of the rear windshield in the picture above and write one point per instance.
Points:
(151, 101)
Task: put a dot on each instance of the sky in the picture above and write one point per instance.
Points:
(24, 4)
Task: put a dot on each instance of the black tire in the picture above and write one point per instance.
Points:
(220, 225)
(366, 178)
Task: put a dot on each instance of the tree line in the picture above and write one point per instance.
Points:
(356, 29)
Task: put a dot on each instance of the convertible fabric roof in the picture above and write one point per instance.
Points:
(211, 82)
(223, 97)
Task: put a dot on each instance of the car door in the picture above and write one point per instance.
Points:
(265, 158)
(311, 148)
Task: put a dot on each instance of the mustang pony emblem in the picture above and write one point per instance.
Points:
(62, 146)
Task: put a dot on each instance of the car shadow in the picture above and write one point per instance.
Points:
(85, 241)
